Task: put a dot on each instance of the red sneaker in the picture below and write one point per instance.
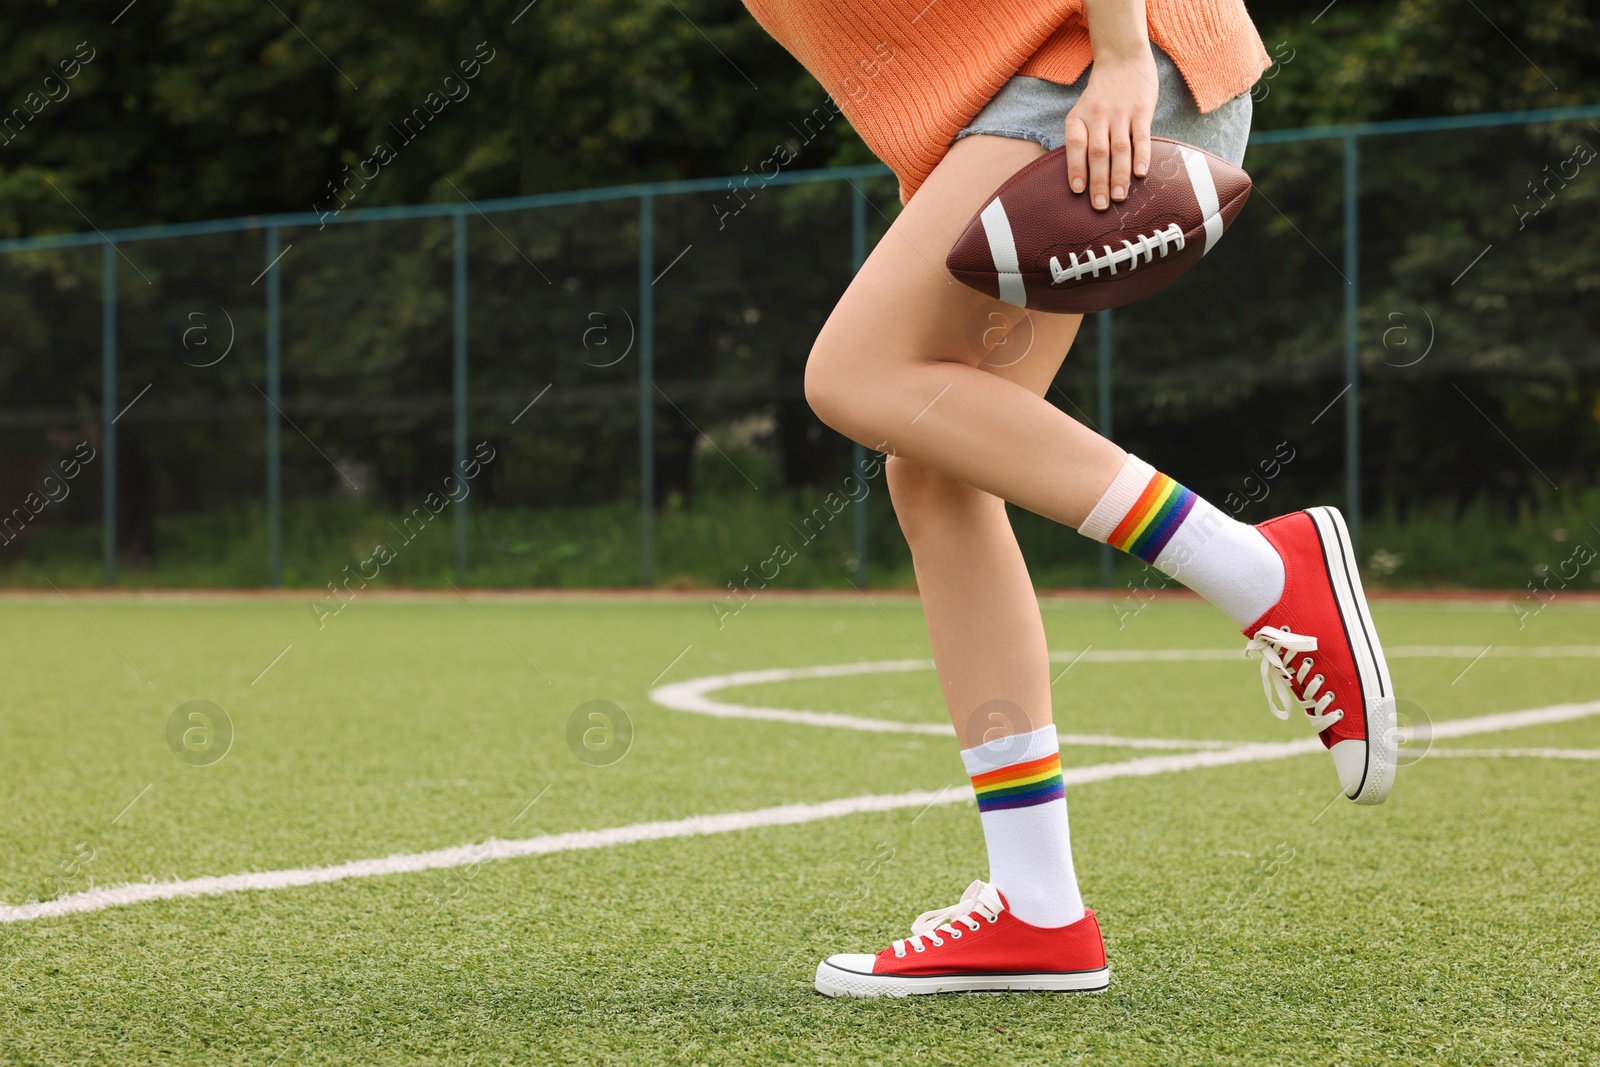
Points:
(974, 946)
(1320, 652)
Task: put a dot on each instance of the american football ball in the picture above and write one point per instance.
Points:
(1037, 244)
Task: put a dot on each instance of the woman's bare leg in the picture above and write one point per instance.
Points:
(983, 619)
(951, 383)
(894, 367)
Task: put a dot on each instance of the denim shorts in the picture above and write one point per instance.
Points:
(1036, 110)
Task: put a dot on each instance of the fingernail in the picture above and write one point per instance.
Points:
(1116, 192)
(1077, 185)
(1099, 200)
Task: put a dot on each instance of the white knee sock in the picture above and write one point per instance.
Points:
(1148, 515)
(1024, 810)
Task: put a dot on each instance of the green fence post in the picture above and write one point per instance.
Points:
(858, 453)
(460, 360)
(1102, 321)
(108, 406)
(274, 420)
(1352, 365)
(647, 377)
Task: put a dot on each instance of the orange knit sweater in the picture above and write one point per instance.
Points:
(910, 74)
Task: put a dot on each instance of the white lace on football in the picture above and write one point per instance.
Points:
(979, 904)
(1277, 647)
(1146, 245)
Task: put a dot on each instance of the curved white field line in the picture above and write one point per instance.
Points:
(728, 822)
(694, 695)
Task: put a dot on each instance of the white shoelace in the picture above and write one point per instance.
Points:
(1147, 245)
(980, 899)
(1277, 647)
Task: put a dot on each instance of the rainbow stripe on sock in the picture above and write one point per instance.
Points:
(1020, 785)
(1147, 527)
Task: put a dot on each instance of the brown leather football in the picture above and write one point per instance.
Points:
(1037, 244)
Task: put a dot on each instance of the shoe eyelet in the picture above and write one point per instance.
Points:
(955, 934)
(916, 948)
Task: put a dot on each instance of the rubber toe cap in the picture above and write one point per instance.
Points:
(858, 962)
(1350, 761)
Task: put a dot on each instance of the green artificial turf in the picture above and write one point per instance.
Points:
(1247, 920)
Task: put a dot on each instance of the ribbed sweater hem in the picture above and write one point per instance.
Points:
(947, 59)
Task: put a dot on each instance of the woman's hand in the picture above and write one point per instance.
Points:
(1108, 129)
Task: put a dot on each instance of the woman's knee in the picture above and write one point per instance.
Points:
(823, 387)
(926, 501)
(834, 381)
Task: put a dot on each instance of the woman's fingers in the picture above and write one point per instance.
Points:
(1141, 147)
(1121, 160)
(1108, 128)
(1100, 162)
(1106, 150)
(1077, 152)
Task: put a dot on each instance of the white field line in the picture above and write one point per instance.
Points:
(1512, 720)
(728, 822)
(1533, 753)
(1196, 655)
(467, 855)
(694, 695)
(1498, 651)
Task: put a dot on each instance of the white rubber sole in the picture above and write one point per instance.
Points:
(838, 982)
(1382, 748)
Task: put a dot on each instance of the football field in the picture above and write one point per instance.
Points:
(498, 829)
